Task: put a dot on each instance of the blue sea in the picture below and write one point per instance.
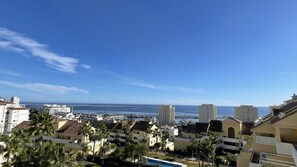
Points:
(147, 110)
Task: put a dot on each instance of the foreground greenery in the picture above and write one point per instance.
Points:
(24, 149)
(19, 150)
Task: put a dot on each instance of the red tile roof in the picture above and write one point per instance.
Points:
(70, 128)
(24, 125)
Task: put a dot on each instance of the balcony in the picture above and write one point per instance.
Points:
(294, 154)
(276, 160)
(265, 140)
(255, 160)
(67, 143)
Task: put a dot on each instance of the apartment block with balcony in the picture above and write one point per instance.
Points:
(246, 113)
(141, 131)
(189, 133)
(207, 112)
(274, 139)
(166, 115)
(67, 133)
(12, 113)
(233, 134)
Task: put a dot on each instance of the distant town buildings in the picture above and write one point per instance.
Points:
(166, 115)
(207, 112)
(246, 113)
(55, 109)
(12, 113)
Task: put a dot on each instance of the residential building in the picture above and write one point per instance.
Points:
(274, 139)
(166, 115)
(140, 131)
(12, 113)
(246, 113)
(207, 112)
(188, 134)
(173, 131)
(67, 133)
(55, 109)
(233, 134)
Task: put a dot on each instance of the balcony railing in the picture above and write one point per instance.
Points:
(265, 140)
(294, 153)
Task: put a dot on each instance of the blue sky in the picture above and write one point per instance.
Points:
(149, 52)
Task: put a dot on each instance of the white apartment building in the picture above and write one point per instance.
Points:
(207, 112)
(166, 115)
(246, 113)
(173, 131)
(55, 109)
(11, 114)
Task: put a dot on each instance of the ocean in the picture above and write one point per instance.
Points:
(147, 110)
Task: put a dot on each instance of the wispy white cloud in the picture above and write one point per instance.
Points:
(134, 82)
(165, 88)
(184, 101)
(7, 72)
(86, 66)
(44, 88)
(117, 76)
(150, 86)
(192, 101)
(17, 42)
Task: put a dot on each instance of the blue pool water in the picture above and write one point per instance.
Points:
(161, 164)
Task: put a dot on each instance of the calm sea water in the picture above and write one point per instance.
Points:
(151, 110)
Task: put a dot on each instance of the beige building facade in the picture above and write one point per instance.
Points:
(246, 113)
(166, 115)
(274, 139)
(207, 112)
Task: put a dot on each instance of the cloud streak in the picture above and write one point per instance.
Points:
(134, 82)
(44, 88)
(17, 42)
(165, 88)
(7, 72)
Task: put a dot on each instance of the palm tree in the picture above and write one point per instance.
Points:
(43, 125)
(141, 150)
(164, 138)
(104, 149)
(119, 153)
(85, 130)
(23, 157)
(10, 148)
(97, 135)
(128, 133)
(85, 149)
(212, 145)
(63, 158)
(130, 151)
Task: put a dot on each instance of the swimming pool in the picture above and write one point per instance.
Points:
(162, 163)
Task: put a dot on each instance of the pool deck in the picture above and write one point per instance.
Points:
(175, 163)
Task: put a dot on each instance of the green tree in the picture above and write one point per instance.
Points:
(140, 150)
(128, 132)
(43, 124)
(130, 151)
(85, 130)
(97, 135)
(63, 158)
(119, 153)
(11, 146)
(164, 139)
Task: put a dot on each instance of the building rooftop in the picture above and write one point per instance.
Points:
(141, 125)
(215, 126)
(22, 126)
(70, 128)
(246, 128)
(196, 128)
